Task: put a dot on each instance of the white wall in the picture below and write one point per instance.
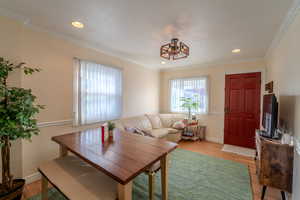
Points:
(10, 48)
(53, 86)
(283, 67)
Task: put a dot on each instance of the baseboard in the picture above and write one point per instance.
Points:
(213, 139)
(33, 177)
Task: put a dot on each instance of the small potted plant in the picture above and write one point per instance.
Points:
(111, 127)
(17, 111)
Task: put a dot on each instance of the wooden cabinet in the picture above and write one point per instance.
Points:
(274, 162)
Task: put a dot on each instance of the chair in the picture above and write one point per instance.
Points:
(151, 178)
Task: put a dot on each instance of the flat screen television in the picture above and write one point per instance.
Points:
(270, 115)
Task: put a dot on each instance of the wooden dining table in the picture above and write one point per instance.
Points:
(122, 158)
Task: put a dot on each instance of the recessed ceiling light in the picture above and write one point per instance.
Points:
(236, 51)
(163, 62)
(77, 24)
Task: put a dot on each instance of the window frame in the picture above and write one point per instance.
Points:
(189, 78)
(76, 92)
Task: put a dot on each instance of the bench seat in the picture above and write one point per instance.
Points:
(77, 180)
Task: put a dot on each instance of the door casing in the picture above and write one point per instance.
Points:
(242, 108)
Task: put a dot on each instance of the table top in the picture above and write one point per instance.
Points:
(122, 158)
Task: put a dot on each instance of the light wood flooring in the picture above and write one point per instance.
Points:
(202, 147)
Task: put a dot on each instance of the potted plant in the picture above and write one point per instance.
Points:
(111, 127)
(17, 111)
(190, 104)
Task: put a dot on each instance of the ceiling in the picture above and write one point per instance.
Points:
(135, 29)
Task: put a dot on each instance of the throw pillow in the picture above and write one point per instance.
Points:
(129, 129)
(179, 125)
(135, 130)
(155, 121)
(139, 132)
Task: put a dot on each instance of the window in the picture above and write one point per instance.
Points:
(98, 92)
(195, 88)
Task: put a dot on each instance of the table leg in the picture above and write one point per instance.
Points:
(63, 151)
(164, 176)
(125, 191)
(151, 185)
(44, 188)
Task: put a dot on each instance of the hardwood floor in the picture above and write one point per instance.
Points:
(203, 147)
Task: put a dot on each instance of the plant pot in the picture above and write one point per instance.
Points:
(15, 193)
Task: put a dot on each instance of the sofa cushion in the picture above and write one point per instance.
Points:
(169, 119)
(174, 137)
(136, 131)
(167, 122)
(178, 125)
(162, 132)
(172, 131)
(141, 122)
(130, 129)
(158, 133)
(155, 121)
(140, 132)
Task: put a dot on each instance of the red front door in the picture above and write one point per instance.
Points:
(242, 108)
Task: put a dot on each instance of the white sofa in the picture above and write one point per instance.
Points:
(157, 126)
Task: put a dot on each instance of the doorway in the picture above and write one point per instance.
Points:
(242, 108)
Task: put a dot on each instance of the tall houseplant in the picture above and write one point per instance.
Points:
(17, 111)
(190, 104)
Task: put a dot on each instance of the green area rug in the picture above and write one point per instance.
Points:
(193, 176)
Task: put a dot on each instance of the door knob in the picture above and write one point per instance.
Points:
(226, 110)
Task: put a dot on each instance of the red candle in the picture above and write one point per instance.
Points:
(102, 134)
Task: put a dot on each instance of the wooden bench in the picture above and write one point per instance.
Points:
(77, 180)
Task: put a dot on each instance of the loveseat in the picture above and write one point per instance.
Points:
(157, 126)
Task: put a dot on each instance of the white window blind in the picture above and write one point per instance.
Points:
(195, 88)
(97, 92)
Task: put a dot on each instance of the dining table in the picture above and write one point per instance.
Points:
(121, 157)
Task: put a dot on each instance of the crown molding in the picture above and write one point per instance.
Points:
(89, 45)
(84, 44)
(213, 64)
(81, 43)
(288, 20)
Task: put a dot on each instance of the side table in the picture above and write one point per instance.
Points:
(193, 131)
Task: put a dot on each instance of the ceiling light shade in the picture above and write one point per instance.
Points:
(236, 50)
(174, 50)
(77, 24)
